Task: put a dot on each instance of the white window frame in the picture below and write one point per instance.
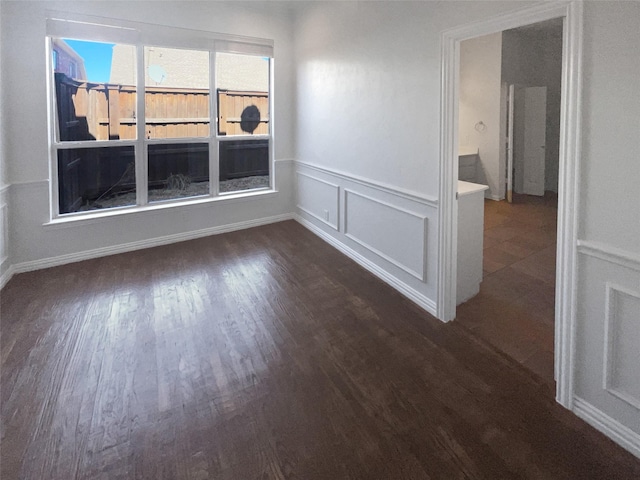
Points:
(98, 29)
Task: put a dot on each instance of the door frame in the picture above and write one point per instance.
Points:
(569, 162)
(511, 90)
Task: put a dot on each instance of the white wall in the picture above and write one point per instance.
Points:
(26, 149)
(480, 71)
(608, 295)
(5, 258)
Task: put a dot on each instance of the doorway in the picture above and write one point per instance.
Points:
(514, 309)
(571, 15)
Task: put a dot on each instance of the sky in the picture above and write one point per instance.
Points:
(97, 58)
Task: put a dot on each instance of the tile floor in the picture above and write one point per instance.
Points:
(514, 310)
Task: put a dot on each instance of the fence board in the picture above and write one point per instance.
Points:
(110, 110)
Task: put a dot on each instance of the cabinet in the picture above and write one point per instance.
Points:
(467, 164)
(470, 239)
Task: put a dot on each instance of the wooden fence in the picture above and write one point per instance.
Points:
(99, 111)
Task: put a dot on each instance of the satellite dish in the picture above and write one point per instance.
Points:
(250, 119)
(157, 73)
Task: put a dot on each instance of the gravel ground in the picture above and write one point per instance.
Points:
(193, 190)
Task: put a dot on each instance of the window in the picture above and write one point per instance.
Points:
(139, 120)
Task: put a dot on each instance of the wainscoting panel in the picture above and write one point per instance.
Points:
(607, 356)
(384, 229)
(395, 234)
(622, 350)
(319, 199)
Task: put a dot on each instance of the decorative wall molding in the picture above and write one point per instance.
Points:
(153, 242)
(610, 254)
(29, 184)
(400, 192)
(613, 429)
(336, 207)
(419, 274)
(612, 319)
(413, 295)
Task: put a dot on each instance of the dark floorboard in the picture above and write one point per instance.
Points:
(265, 354)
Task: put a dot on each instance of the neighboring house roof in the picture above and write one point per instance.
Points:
(178, 68)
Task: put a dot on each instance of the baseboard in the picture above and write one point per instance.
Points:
(139, 245)
(6, 276)
(613, 429)
(413, 295)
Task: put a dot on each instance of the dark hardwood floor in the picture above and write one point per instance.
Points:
(265, 354)
(515, 308)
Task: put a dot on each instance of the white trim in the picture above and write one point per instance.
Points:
(568, 205)
(284, 161)
(139, 245)
(412, 294)
(92, 27)
(6, 276)
(610, 254)
(4, 188)
(29, 183)
(383, 187)
(86, 218)
(419, 275)
(613, 429)
(336, 225)
(609, 348)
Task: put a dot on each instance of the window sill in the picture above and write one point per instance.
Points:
(72, 220)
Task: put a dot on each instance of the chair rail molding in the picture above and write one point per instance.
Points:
(609, 254)
(383, 187)
(568, 205)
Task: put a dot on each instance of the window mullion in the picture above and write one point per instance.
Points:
(142, 196)
(214, 164)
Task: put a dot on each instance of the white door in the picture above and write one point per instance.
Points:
(535, 116)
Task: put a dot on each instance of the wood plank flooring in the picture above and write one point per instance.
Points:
(515, 308)
(265, 354)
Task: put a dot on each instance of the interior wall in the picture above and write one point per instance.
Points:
(533, 58)
(479, 101)
(5, 255)
(26, 146)
(608, 293)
